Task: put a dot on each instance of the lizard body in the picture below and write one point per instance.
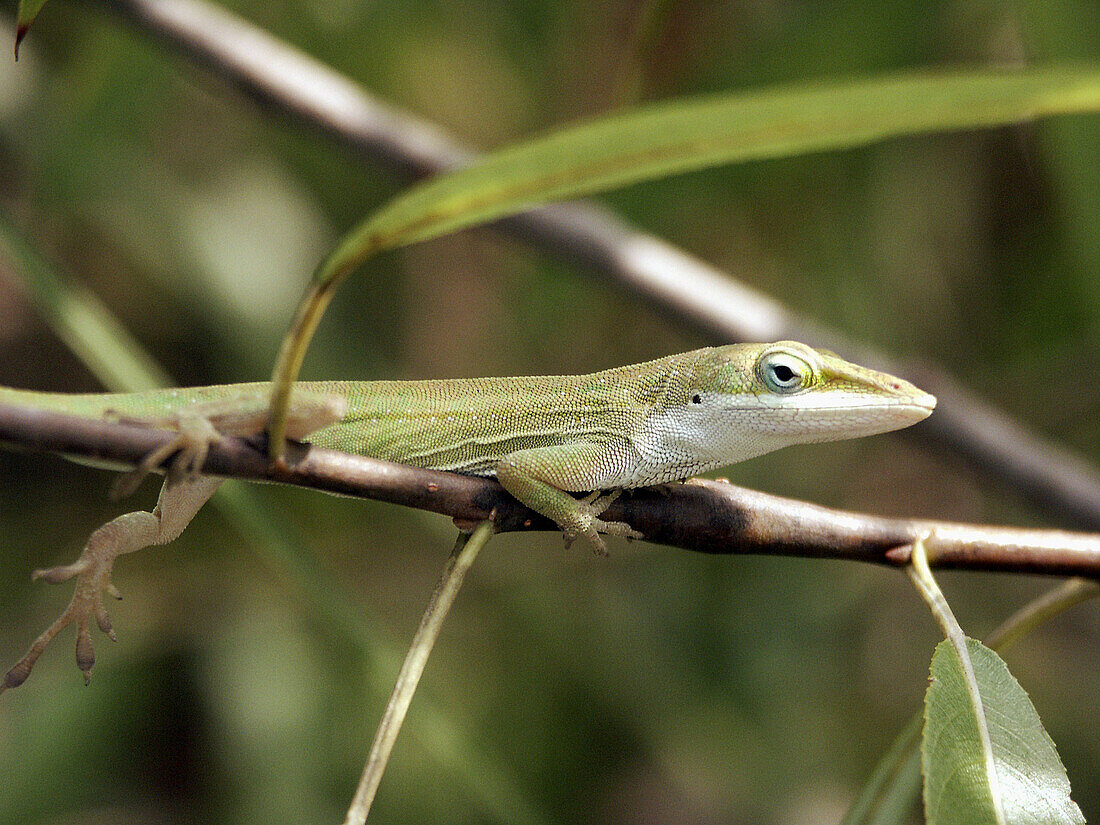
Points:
(542, 437)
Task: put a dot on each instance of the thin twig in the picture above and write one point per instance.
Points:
(704, 516)
(295, 84)
(459, 562)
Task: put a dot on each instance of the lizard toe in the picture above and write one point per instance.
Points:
(618, 528)
(587, 532)
(62, 573)
(81, 609)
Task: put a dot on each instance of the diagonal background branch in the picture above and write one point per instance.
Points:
(703, 516)
(296, 85)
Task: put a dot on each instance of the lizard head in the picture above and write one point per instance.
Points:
(768, 396)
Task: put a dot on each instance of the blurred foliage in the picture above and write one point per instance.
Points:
(656, 686)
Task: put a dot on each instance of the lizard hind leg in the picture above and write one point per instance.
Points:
(200, 425)
(179, 501)
(183, 494)
(190, 447)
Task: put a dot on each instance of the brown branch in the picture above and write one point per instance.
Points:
(703, 516)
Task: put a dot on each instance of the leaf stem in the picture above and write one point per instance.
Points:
(921, 576)
(292, 353)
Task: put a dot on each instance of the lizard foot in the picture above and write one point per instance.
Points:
(93, 578)
(178, 503)
(589, 525)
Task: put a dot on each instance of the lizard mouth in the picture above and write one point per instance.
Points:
(836, 416)
(852, 402)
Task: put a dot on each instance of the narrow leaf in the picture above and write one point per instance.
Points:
(28, 10)
(680, 136)
(1031, 783)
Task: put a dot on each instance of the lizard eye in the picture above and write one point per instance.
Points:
(783, 372)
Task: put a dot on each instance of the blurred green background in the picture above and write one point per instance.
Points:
(656, 686)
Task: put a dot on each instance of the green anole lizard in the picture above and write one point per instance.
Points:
(542, 437)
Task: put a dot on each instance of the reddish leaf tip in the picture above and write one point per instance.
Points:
(20, 32)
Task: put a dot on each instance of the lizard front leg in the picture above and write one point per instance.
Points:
(539, 477)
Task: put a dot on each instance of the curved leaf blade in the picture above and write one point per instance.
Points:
(681, 136)
(1031, 782)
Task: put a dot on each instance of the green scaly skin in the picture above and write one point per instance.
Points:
(542, 437)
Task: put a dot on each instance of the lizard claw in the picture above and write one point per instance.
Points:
(591, 535)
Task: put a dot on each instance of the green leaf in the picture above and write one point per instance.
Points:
(28, 10)
(1030, 782)
(888, 795)
(680, 136)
